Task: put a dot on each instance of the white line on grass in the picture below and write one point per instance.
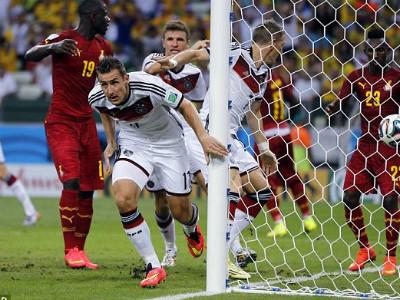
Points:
(185, 296)
(273, 282)
(319, 275)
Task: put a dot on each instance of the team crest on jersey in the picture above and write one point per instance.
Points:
(187, 84)
(362, 84)
(127, 152)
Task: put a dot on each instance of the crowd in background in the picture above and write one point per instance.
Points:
(324, 37)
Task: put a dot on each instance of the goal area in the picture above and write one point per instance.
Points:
(325, 42)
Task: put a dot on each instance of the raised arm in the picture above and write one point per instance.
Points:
(38, 52)
(210, 145)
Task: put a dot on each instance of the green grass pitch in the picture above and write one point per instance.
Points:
(31, 259)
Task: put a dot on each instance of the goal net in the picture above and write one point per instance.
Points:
(324, 44)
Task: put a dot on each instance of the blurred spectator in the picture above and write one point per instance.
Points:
(19, 29)
(4, 13)
(148, 8)
(7, 83)
(8, 55)
(42, 76)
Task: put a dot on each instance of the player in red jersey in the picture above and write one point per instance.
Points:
(277, 130)
(373, 164)
(70, 128)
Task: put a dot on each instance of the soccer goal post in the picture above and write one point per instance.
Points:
(218, 128)
(325, 43)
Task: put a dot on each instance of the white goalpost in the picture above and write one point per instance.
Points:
(218, 169)
(299, 263)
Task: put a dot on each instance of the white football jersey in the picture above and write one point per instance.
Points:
(247, 84)
(189, 81)
(144, 118)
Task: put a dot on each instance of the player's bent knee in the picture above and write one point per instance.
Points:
(351, 199)
(72, 184)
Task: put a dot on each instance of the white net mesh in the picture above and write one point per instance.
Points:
(325, 43)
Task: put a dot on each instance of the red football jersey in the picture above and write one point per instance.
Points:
(74, 76)
(273, 107)
(378, 95)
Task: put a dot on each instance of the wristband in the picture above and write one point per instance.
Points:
(263, 146)
(173, 62)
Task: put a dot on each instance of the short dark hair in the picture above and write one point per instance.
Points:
(176, 26)
(87, 7)
(376, 33)
(267, 32)
(110, 63)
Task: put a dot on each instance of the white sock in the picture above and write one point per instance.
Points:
(191, 226)
(167, 232)
(242, 220)
(19, 191)
(141, 239)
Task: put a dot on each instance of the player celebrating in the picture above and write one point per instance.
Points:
(277, 131)
(188, 79)
(376, 87)
(150, 142)
(31, 215)
(247, 85)
(70, 128)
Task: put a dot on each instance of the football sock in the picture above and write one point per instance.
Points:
(233, 199)
(392, 222)
(20, 192)
(355, 220)
(301, 200)
(166, 224)
(138, 233)
(190, 227)
(83, 221)
(242, 220)
(68, 211)
(273, 208)
(253, 203)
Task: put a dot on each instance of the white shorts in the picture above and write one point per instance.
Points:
(2, 158)
(197, 160)
(239, 158)
(168, 167)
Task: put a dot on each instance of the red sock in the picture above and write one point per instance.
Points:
(249, 206)
(297, 188)
(273, 208)
(232, 208)
(68, 211)
(355, 220)
(392, 222)
(83, 221)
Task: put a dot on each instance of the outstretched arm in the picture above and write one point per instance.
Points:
(210, 145)
(183, 58)
(38, 52)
